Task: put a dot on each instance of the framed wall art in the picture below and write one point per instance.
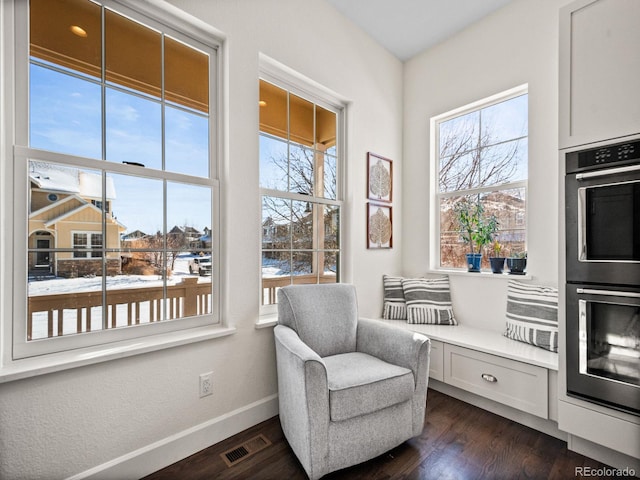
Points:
(379, 178)
(379, 225)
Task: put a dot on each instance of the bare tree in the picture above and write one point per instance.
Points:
(299, 169)
(471, 156)
(290, 223)
(174, 242)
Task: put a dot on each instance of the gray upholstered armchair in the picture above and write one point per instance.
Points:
(349, 389)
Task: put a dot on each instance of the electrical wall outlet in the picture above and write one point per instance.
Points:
(206, 384)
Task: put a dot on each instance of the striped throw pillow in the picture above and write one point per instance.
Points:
(394, 307)
(532, 315)
(428, 301)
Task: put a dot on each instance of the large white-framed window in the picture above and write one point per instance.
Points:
(115, 175)
(301, 189)
(479, 156)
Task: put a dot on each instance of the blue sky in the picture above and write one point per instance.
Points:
(66, 116)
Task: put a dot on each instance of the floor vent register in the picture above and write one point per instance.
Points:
(241, 452)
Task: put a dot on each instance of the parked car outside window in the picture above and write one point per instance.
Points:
(201, 265)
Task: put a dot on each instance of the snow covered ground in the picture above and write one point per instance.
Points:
(91, 284)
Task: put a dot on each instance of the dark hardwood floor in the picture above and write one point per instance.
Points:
(459, 441)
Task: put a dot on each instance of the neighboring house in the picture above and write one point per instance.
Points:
(65, 212)
(204, 242)
(274, 234)
(277, 234)
(186, 237)
(135, 235)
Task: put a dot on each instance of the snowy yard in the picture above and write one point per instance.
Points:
(82, 284)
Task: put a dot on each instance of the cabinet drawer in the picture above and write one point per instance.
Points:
(512, 383)
(436, 362)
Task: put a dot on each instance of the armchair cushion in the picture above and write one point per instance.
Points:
(360, 383)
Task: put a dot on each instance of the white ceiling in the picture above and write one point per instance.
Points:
(407, 27)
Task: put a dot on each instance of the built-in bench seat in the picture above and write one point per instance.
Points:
(491, 366)
(493, 343)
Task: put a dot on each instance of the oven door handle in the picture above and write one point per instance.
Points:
(612, 293)
(610, 171)
(582, 336)
(582, 224)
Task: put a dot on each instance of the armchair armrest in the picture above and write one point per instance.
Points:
(394, 345)
(404, 348)
(303, 396)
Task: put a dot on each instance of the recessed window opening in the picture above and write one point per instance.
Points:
(118, 166)
(481, 159)
(300, 161)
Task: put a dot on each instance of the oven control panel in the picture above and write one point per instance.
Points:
(621, 153)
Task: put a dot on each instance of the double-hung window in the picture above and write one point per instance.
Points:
(300, 185)
(87, 244)
(480, 154)
(116, 176)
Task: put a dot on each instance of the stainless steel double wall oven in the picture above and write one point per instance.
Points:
(602, 201)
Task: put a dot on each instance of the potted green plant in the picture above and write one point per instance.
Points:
(476, 229)
(517, 263)
(496, 259)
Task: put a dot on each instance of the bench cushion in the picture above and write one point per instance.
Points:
(532, 315)
(394, 307)
(428, 300)
(361, 384)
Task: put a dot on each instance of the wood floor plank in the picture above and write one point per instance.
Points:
(459, 442)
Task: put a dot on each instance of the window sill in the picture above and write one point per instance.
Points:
(31, 367)
(482, 274)
(267, 321)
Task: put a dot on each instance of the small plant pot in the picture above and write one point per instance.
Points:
(517, 266)
(497, 264)
(473, 262)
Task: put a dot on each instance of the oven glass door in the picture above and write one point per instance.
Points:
(610, 341)
(603, 345)
(609, 222)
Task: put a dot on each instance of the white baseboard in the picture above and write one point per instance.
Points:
(545, 426)
(162, 453)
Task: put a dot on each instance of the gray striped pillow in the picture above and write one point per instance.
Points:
(532, 315)
(394, 307)
(428, 301)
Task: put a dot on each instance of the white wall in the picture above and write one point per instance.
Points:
(515, 45)
(63, 424)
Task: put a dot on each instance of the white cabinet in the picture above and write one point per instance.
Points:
(519, 385)
(490, 365)
(615, 433)
(599, 90)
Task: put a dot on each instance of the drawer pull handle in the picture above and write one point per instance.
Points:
(489, 378)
